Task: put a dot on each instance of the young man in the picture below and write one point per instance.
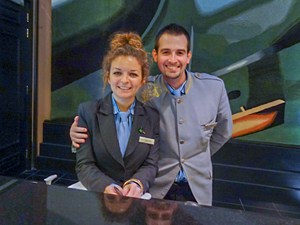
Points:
(195, 120)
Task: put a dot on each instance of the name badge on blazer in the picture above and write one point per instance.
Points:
(146, 140)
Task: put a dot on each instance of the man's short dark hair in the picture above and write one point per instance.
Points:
(173, 29)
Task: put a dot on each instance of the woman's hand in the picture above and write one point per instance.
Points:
(114, 189)
(132, 190)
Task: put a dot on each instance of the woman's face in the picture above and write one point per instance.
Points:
(125, 78)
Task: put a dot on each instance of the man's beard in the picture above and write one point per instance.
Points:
(172, 77)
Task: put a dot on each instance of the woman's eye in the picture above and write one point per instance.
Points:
(117, 73)
(134, 75)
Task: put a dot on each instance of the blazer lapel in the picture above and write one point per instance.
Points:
(106, 121)
(138, 122)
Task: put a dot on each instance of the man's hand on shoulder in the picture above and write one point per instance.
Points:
(78, 135)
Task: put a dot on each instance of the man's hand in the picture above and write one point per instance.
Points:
(77, 134)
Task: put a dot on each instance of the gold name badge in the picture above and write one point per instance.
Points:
(145, 140)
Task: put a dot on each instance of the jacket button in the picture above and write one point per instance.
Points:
(181, 121)
(179, 100)
(182, 161)
(181, 142)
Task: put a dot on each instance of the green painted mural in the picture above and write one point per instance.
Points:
(253, 45)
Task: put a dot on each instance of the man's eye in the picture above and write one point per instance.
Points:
(165, 52)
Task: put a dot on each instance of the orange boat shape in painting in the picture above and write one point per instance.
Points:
(258, 118)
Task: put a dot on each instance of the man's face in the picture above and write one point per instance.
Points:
(172, 58)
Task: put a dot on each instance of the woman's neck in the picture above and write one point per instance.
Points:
(123, 104)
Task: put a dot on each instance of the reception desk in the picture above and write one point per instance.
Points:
(25, 202)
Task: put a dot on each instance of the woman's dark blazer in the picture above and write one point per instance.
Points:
(99, 162)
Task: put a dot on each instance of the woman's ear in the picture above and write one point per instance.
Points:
(107, 77)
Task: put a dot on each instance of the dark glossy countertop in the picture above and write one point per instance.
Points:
(25, 202)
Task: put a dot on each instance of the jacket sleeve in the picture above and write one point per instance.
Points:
(223, 130)
(86, 168)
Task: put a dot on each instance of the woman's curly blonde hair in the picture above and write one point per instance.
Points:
(126, 44)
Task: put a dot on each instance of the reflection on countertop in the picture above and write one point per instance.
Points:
(30, 202)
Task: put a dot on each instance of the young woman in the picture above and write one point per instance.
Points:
(120, 155)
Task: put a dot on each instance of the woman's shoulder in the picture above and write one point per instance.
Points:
(90, 108)
(92, 104)
(148, 109)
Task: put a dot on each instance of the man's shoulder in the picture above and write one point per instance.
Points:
(151, 90)
(204, 76)
(154, 78)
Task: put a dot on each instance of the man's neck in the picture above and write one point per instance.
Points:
(177, 82)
